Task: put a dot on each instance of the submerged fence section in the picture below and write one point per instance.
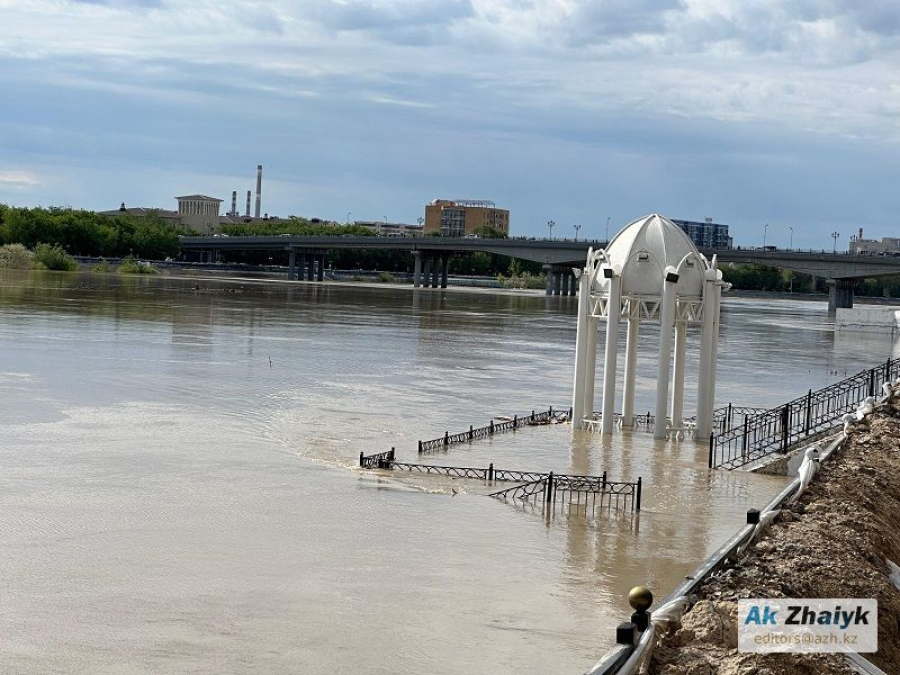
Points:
(777, 429)
(547, 487)
(473, 434)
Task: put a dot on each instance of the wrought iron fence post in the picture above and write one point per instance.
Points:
(420, 447)
(361, 458)
(730, 416)
(746, 434)
(548, 488)
(491, 472)
(492, 428)
(603, 483)
(471, 432)
(785, 427)
(446, 438)
(515, 421)
(712, 446)
(872, 382)
(550, 414)
(808, 410)
(639, 494)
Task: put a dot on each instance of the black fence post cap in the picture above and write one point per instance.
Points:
(752, 516)
(626, 634)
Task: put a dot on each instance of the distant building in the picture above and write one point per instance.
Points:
(385, 229)
(142, 211)
(887, 245)
(457, 218)
(706, 234)
(199, 212)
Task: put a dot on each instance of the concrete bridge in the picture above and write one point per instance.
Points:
(306, 258)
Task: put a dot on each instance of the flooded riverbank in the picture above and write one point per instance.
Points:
(180, 492)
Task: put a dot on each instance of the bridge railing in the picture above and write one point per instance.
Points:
(777, 429)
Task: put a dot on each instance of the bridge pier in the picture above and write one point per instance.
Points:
(429, 263)
(417, 269)
(321, 261)
(292, 264)
(840, 294)
(445, 259)
(560, 280)
(435, 270)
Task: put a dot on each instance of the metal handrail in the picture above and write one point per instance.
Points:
(777, 429)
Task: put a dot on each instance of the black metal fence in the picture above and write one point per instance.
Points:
(777, 429)
(382, 460)
(552, 486)
(473, 434)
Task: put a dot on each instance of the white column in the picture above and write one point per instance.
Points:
(581, 335)
(707, 339)
(678, 374)
(713, 364)
(590, 366)
(610, 357)
(666, 319)
(634, 325)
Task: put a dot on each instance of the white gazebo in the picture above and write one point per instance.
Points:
(650, 272)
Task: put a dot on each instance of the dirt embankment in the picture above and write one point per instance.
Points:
(833, 543)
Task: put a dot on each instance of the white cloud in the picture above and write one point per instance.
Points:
(18, 179)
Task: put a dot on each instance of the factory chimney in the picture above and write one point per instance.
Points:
(248, 203)
(258, 188)
(233, 203)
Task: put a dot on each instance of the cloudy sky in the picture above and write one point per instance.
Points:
(753, 112)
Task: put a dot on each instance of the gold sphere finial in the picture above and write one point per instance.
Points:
(640, 598)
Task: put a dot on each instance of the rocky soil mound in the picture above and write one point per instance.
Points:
(835, 542)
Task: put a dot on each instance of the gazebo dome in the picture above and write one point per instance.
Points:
(643, 250)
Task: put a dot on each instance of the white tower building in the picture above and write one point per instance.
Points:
(650, 272)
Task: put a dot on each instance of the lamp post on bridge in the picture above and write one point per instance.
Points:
(348, 217)
(577, 227)
(835, 236)
(550, 224)
(765, 234)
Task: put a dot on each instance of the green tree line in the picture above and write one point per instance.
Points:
(90, 234)
(758, 278)
(295, 225)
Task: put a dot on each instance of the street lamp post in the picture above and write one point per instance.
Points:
(607, 228)
(792, 238)
(835, 236)
(348, 217)
(765, 234)
(577, 227)
(550, 224)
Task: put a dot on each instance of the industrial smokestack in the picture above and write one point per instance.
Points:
(248, 203)
(258, 188)
(233, 203)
